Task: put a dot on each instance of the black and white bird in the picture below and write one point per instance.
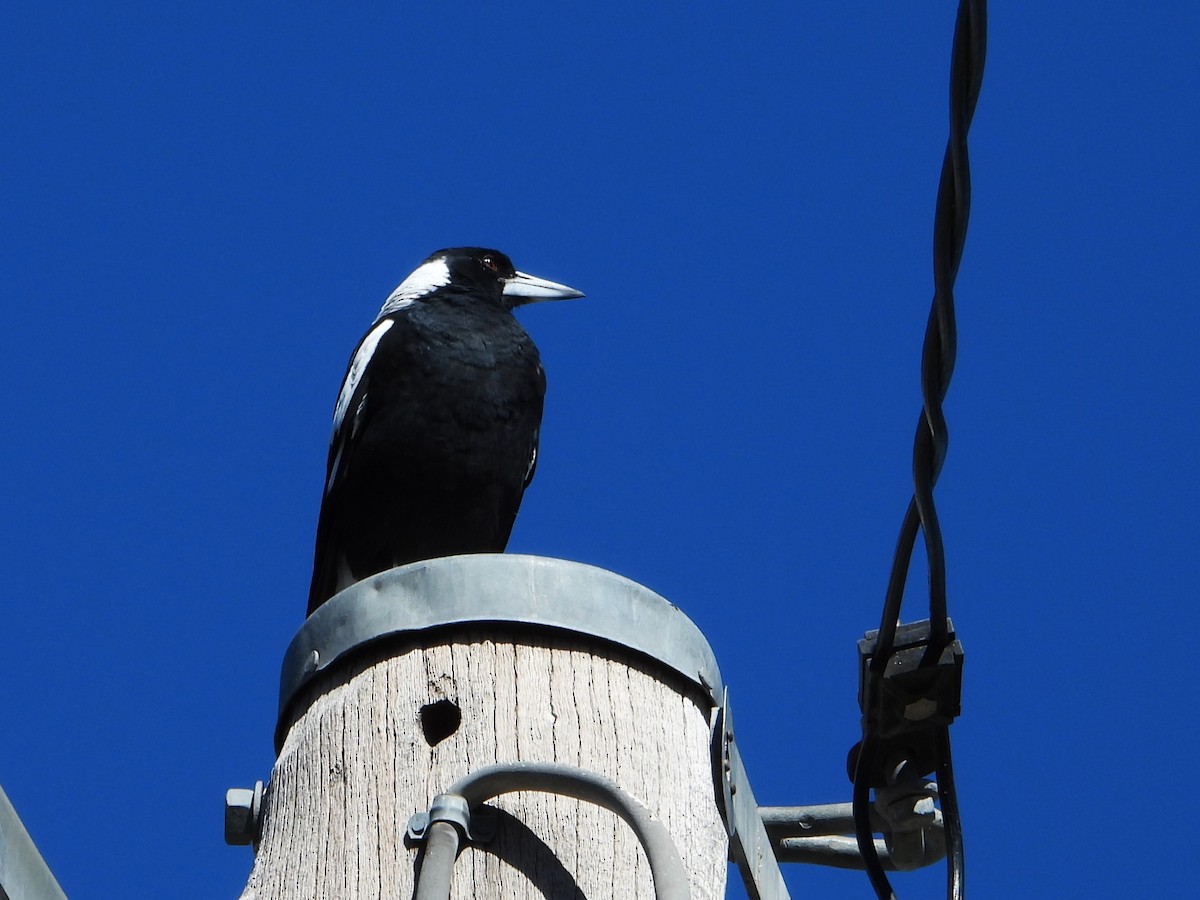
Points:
(435, 430)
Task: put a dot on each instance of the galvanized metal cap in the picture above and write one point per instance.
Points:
(497, 588)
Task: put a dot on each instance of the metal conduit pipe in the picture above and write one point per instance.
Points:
(823, 834)
(446, 826)
(437, 863)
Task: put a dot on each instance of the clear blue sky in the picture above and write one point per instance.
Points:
(203, 208)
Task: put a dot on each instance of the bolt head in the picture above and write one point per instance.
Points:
(418, 824)
(242, 808)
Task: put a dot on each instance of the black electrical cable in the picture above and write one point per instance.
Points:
(929, 448)
(941, 341)
(952, 826)
(861, 808)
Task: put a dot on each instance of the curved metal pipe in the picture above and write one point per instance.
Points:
(445, 833)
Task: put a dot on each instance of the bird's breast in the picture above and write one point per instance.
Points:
(462, 383)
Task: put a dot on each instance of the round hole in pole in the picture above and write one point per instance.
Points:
(439, 720)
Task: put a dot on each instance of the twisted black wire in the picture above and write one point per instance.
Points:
(941, 339)
(930, 444)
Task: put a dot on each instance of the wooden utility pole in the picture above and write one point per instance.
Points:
(404, 684)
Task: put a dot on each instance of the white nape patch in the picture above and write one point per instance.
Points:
(358, 365)
(424, 280)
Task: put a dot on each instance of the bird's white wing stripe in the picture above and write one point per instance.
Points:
(532, 463)
(358, 365)
(333, 470)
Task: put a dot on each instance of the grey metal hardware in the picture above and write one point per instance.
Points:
(24, 875)
(823, 835)
(762, 837)
(508, 589)
(478, 825)
(446, 818)
(497, 588)
(243, 814)
(749, 844)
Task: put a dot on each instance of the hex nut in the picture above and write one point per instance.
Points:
(243, 807)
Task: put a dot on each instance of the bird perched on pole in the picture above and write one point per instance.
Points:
(435, 430)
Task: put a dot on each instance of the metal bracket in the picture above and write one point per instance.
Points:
(762, 837)
(478, 825)
(749, 845)
(24, 875)
(503, 588)
(824, 834)
(919, 686)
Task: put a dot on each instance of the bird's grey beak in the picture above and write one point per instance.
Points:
(521, 289)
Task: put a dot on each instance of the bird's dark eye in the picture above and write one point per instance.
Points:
(490, 264)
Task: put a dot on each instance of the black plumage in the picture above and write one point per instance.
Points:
(435, 431)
